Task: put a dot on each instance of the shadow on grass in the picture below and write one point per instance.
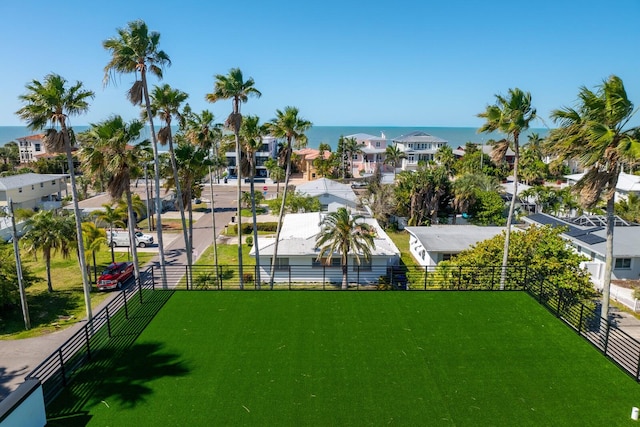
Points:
(118, 379)
(119, 372)
(44, 309)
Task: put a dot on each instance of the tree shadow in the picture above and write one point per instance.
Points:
(116, 377)
(44, 309)
(7, 377)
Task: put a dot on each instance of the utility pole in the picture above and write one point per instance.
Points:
(16, 251)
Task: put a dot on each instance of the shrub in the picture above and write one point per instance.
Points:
(247, 277)
(249, 241)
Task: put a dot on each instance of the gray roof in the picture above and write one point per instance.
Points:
(298, 237)
(366, 137)
(625, 238)
(23, 180)
(419, 136)
(322, 186)
(452, 238)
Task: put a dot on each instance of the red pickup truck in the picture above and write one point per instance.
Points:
(115, 275)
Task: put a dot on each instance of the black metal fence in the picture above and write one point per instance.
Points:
(120, 322)
(310, 277)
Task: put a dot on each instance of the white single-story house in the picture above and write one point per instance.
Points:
(627, 184)
(430, 245)
(332, 194)
(33, 190)
(587, 235)
(297, 259)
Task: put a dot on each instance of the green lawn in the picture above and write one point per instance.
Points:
(352, 358)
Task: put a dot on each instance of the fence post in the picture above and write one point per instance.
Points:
(64, 374)
(126, 309)
(580, 322)
(638, 369)
(324, 279)
(460, 276)
(358, 279)
(186, 275)
(108, 321)
(606, 337)
(153, 281)
(140, 285)
(86, 337)
(289, 271)
(426, 271)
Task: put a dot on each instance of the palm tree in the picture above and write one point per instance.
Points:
(202, 132)
(595, 133)
(135, 50)
(464, 194)
(445, 157)
(165, 104)
(511, 116)
(122, 162)
(393, 155)
(342, 233)
(193, 164)
(251, 133)
(52, 102)
(350, 148)
(290, 126)
(94, 238)
(276, 173)
(113, 217)
(49, 233)
(234, 87)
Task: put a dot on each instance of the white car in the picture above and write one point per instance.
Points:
(121, 238)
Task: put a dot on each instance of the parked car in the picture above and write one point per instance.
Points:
(121, 238)
(359, 184)
(115, 275)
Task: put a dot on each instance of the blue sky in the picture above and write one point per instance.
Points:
(399, 63)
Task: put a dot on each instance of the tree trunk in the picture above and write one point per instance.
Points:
(76, 211)
(215, 236)
(281, 215)
(132, 234)
(255, 226)
(239, 208)
(185, 230)
(608, 263)
(512, 206)
(156, 166)
(47, 263)
(345, 275)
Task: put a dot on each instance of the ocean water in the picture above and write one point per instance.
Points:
(456, 136)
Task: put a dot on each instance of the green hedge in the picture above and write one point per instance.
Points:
(248, 228)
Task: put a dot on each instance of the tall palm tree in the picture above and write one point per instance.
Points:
(350, 148)
(445, 157)
(342, 233)
(94, 238)
(394, 155)
(202, 132)
(464, 194)
(165, 104)
(276, 173)
(114, 137)
(234, 87)
(290, 126)
(510, 116)
(596, 133)
(52, 102)
(135, 50)
(49, 232)
(113, 217)
(251, 133)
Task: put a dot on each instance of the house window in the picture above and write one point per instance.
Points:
(20, 190)
(354, 157)
(410, 158)
(363, 266)
(623, 264)
(446, 257)
(33, 187)
(282, 263)
(37, 147)
(323, 262)
(42, 185)
(324, 208)
(53, 183)
(377, 144)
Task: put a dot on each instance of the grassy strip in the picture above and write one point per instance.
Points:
(353, 358)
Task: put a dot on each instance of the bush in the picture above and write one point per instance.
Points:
(247, 277)
(248, 228)
(249, 240)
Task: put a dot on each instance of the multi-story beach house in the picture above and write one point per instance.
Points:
(269, 150)
(30, 148)
(418, 147)
(372, 155)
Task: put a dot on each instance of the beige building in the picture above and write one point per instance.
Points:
(32, 190)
